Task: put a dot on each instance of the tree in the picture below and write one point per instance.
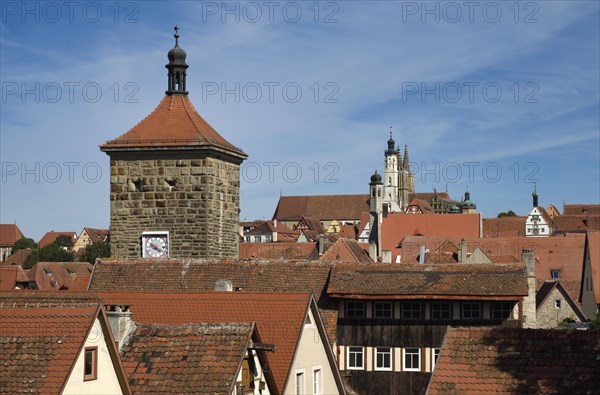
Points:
(64, 241)
(95, 250)
(22, 244)
(509, 213)
(54, 252)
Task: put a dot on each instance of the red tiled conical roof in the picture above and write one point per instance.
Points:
(173, 124)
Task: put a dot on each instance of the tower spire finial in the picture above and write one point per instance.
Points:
(390, 132)
(176, 84)
(176, 35)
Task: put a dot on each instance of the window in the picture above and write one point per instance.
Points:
(501, 310)
(316, 381)
(411, 310)
(441, 311)
(555, 274)
(355, 309)
(383, 358)
(412, 359)
(268, 238)
(300, 382)
(355, 358)
(257, 239)
(471, 310)
(90, 363)
(557, 304)
(435, 353)
(383, 310)
(247, 238)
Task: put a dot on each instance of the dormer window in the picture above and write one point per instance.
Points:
(555, 274)
(48, 271)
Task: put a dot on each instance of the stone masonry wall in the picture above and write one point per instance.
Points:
(548, 316)
(196, 199)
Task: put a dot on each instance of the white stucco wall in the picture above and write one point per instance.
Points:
(311, 354)
(107, 382)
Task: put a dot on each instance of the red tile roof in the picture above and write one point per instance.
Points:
(18, 258)
(193, 358)
(429, 281)
(581, 209)
(63, 276)
(511, 361)
(173, 123)
(348, 231)
(594, 251)
(50, 237)
(9, 234)
(323, 207)
(576, 223)
(346, 250)
(504, 227)
(97, 235)
(547, 288)
(398, 225)
(279, 316)
(279, 251)
(423, 205)
(39, 345)
(10, 276)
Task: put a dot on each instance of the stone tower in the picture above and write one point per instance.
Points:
(390, 176)
(172, 176)
(406, 181)
(375, 215)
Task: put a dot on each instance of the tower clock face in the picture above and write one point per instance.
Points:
(155, 244)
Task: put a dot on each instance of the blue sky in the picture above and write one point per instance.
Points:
(491, 98)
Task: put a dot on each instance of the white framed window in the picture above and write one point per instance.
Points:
(383, 358)
(471, 310)
(268, 238)
(435, 353)
(257, 239)
(411, 310)
(383, 310)
(317, 380)
(411, 359)
(300, 382)
(557, 304)
(356, 358)
(355, 309)
(247, 238)
(441, 310)
(501, 310)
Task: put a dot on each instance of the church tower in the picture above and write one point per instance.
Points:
(406, 181)
(174, 181)
(375, 215)
(390, 176)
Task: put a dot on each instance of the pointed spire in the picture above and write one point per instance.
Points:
(391, 145)
(177, 68)
(406, 161)
(535, 195)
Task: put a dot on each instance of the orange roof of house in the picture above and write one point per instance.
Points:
(422, 204)
(594, 251)
(514, 360)
(63, 276)
(323, 207)
(346, 250)
(581, 209)
(191, 359)
(576, 223)
(9, 234)
(39, 345)
(18, 258)
(278, 251)
(10, 276)
(97, 235)
(396, 226)
(429, 281)
(504, 227)
(348, 231)
(279, 317)
(174, 123)
(50, 237)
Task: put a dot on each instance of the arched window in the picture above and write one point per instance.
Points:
(379, 192)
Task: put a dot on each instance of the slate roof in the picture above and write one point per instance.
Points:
(174, 123)
(323, 207)
(38, 346)
(278, 316)
(279, 251)
(194, 358)
(510, 361)
(50, 237)
(484, 281)
(64, 276)
(9, 234)
(346, 250)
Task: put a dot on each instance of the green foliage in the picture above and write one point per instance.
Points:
(54, 252)
(64, 241)
(95, 250)
(24, 243)
(509, 213)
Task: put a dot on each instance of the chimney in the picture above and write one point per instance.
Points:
(462, 251)
(422, 254)
(224, 285)
(121, 325)
(529, 310)
(386, 256)
(321, 246)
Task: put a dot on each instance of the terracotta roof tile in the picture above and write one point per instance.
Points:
(347, 251)
(194, 358)
(581, 209)
(576, 223)
(278, 316)
(323, 207)
(173, 123)
(10, 276)
(97, 235)
(594, 251)
(9, 234)
(504, 227)
(51, 236)
(278, 251)
(64, 276)
(18, 258)
(38, 346)
(422, 280)
(510, 361)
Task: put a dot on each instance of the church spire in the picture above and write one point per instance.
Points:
(535, 196)
(406, 162)
(177, 68)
